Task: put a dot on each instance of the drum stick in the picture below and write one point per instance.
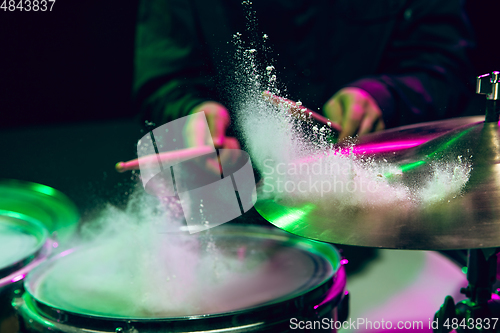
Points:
(170, 157)
(299, 111)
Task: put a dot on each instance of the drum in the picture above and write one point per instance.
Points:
(43, 203)
(266, 281)
(24, 243)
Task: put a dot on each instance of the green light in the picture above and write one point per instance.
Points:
(411, 166)
(464, 269)
(449, 143)
(414, 165)
(405, 168)
(292, 216)
(44, 189)
(12, 214)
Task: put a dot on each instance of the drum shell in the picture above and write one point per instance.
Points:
(324, 301)
(32, 321)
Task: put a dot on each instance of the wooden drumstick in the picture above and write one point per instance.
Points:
(299, 111)
(174, 156)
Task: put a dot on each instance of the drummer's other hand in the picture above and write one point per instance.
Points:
(355, 111)
(218, 122)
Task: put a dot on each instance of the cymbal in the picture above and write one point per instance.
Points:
(464, 219)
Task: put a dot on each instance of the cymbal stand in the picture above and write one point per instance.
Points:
(488, 84)
(479, 312)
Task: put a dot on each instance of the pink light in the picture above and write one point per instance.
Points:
(370, 148)
(66, 252)
(344, 261)
(337, 288)
(242, 253)
(386, 146)
(17, 278)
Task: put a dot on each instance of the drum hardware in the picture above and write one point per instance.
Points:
(480, 310)
(482, 263)
(488, 84)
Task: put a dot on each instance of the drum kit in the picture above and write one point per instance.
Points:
(35, 218)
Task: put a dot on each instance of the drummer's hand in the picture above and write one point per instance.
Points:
(218, 120)
(355, 111)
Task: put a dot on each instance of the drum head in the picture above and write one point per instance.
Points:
(249, 267)
(21, 238)
(49, 206)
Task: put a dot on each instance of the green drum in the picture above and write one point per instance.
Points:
(269, 281)
(24, 243)
(34, 218)
(46, 204)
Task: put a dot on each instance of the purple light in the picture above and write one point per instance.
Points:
(17, 278)
(385, 147)
(344, 261)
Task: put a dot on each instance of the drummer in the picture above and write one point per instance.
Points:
(365, 65)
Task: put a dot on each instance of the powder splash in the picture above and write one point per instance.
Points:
(137, 263)
(298, 160)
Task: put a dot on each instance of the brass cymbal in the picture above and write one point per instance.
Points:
(468, 218)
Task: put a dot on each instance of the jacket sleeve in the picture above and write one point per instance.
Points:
(424, 72)
(172, 72)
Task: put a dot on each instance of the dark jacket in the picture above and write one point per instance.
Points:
(409, 55)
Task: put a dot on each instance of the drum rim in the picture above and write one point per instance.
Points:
(311, 294)
(33, 227)
(62, 222)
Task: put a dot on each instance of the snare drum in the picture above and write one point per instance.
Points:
(24, 243)
(274, 282)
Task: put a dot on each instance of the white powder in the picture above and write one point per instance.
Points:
(132, 269)
(287, 151)
(15, 243)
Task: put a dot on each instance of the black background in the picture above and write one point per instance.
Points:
(72, 64)
(76, 63)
